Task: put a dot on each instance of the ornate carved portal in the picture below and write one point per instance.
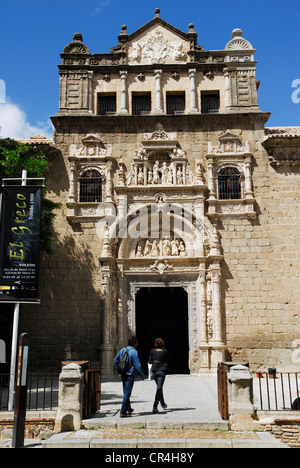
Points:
(149, 262)
(161, 238)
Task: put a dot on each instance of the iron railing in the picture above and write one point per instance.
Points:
(42, 392)
(277, 392)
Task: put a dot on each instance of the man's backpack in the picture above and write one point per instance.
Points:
(124, 364)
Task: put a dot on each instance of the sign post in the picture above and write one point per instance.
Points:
(19, 252)
(21, 393)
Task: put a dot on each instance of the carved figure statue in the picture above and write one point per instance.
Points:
(131, 176)
(166, 247)
(155, 249)
(170, 175)
(175, 247)
(164, 173)
(140, 178)
(156, 171)
(182, 250)
(139, 252)
(148, 248)
(179, 176)
(150, 176)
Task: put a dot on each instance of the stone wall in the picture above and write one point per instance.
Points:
(286, 429)
(39, 425)
(261, 258)
(262, 261)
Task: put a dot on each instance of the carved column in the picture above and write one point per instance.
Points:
(216, 302)
(145, 173)
(159, 109)
(109, 187)
(248, 181)
(227, 90)
(210, 179)
(218, 343)
(107, 350)
(194, 109)
(121, 306)
(203, 310)
(72, 197)
(124, 109)
(90, 92)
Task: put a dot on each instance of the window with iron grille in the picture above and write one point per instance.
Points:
(175, 104)
(90, 184)
(210, 103)
(141, 104)
(107, 105)
(229, 184)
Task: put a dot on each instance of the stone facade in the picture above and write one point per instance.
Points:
(161, 131)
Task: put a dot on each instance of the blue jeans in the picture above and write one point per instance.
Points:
(128, 381)
(159, 377)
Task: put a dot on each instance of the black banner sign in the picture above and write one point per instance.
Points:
(20, 243)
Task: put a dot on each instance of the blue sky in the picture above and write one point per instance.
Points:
(33, 33)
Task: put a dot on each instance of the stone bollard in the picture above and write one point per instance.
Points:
(240, 398)
(70, 402)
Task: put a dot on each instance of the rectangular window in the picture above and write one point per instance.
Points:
(229, 184)
(141, 104)
(90, 185)
(176, 104)
(210, 103)
(107, 105)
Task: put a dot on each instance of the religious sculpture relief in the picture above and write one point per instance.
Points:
(161, 248)
(161, 173)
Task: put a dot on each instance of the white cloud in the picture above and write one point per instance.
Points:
(14, 123)
(97, 10)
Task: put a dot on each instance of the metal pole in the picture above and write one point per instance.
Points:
(14, 344)
(21, 393)
(13, 360)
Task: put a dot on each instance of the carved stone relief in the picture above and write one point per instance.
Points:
(161, 248)
(156, 49)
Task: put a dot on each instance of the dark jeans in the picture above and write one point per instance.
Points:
(128, 381)
(159, 377)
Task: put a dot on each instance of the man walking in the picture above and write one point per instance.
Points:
(134, 369)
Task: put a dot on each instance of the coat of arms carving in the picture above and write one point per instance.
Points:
(157, 49)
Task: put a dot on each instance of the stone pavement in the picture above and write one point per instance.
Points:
(192, 404)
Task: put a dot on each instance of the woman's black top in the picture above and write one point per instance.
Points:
(159, 358)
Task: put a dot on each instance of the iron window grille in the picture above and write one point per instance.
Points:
(141, 104)
(107, 105)
(175, 104)
(210, 103)
(90, 187)
(229, 184)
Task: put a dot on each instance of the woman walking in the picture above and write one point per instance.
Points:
(159, 359)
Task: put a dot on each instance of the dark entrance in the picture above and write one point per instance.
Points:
(163, 313)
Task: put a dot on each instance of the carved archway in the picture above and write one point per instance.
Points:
(198, 271)
(160, 220)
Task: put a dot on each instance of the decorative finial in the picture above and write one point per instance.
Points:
(237, 33)
(157, 13)
(191, 28)
(123, 30)
(77, 37)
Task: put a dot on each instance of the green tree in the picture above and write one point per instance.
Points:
(15, 157)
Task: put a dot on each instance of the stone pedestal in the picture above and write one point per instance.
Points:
(69, 413)
(240, 398)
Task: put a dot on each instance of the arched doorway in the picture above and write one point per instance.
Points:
(163, 312)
